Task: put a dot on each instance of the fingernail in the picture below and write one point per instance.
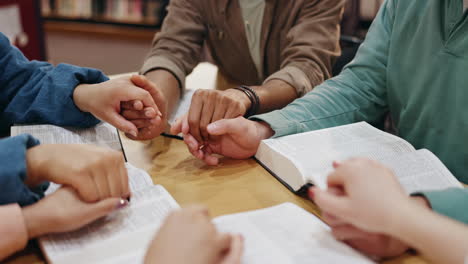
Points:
(212, 127)
(121, 204)
(137, 105)
(133, 133)
(159, 113)
(311, 193)
(148, 113)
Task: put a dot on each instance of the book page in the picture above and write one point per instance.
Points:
(103, 134)
(126, 232)
(138, 179)
(314, 152)
(183, 107)
(421, 171)
(287, 234)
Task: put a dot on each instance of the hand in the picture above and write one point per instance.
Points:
(96, 173)
(363, 181)
(237, 138)
(189, 236)
(138, 115)
(208, 106)
(103, 100)
(350, 206)
(63, 211)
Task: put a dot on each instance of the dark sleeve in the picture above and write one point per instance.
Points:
(38, 92)
(13, 172)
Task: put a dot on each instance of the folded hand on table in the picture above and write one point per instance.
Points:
(64, 211)
(362, 204)
(210, 105)
(95, 173)
(236, 138)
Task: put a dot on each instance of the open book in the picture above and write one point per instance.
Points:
(303, 159)
(280, 234)
(121, 237)
(103, 135)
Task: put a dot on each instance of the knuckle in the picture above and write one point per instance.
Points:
(237, 105)
(199, 92)
(81, 169)
(192, 122)
(145, 93)
(225, 100)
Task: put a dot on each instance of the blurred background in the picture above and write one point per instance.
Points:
(115, 35)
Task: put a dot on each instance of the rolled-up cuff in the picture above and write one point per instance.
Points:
(450, 202)
(161, 62)
(279, 123)
(13, 230)
(13, 172)
(294, 77)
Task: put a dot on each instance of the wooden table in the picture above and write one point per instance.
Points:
(234, 186)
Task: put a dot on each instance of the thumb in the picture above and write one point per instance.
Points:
(104, 207)
(142, 82)
(331, 203)
(122, 124)
(176, 128)
(227, 126)
(224, 242)
(234, 256)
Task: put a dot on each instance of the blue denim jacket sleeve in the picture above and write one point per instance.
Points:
(13, 172)
(38, 92)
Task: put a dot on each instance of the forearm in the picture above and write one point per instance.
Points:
(438, 238)
(359, 93)
(168, 85)
(13, 229)
(275, 94)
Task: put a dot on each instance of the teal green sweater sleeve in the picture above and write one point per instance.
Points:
(452, 203)
(358, 94)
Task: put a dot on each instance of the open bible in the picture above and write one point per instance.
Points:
(281, 234)
(103, 135)
(121, 237)
(303, 159)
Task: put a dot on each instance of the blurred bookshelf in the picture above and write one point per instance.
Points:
(136, 19)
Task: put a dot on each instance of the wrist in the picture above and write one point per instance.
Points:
(264, 130)
(34, 165)
(241, 97)
(401, 221)
(79, 97)
(34, 222)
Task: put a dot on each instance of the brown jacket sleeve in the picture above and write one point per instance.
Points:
(177, 48)
(312, 45)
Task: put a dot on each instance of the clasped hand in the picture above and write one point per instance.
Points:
(214, 125)
(132, 104)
